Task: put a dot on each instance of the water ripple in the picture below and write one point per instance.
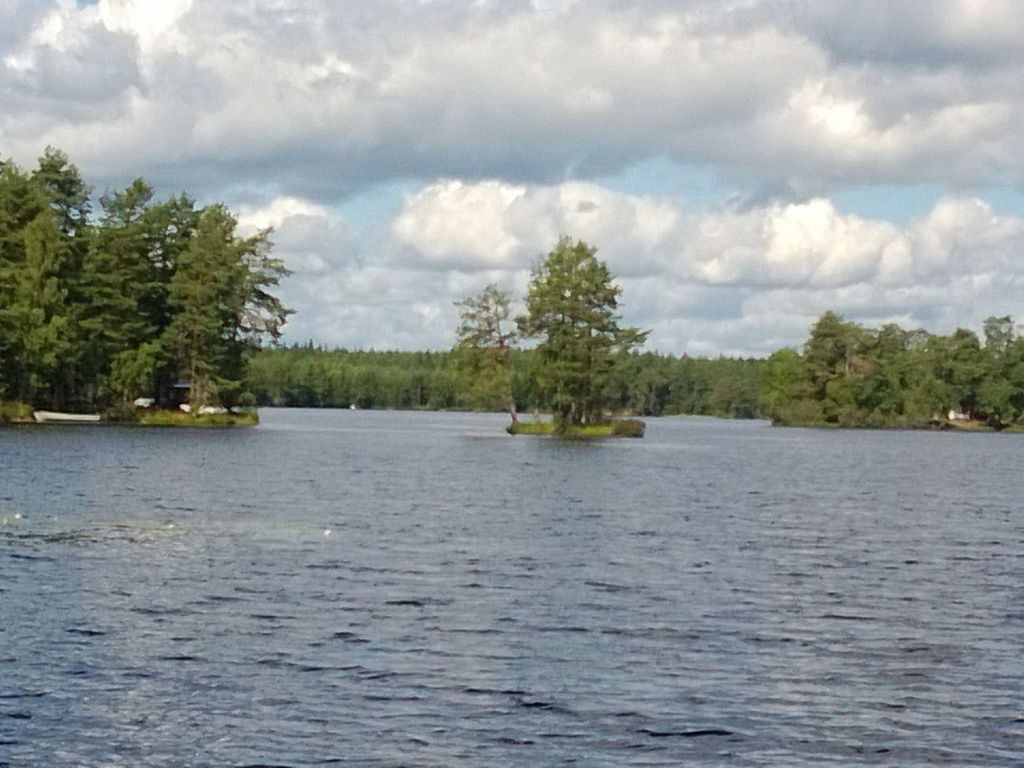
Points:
(717, 594)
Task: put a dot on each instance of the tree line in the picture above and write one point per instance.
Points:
(844, 374)
(642, 383)
(133, 300)
(852, 376)
(582, 364)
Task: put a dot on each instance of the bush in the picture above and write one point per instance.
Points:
(180, 419)
(622, 428)
(12, 412)
(799, 413)
(531, 428)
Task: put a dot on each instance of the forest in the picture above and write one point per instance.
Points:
(844, 375)
(139, 298)
(851, 376)
(642, 383)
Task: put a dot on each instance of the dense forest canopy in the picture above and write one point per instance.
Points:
(644, 383)
(98, 308)
(852, 376)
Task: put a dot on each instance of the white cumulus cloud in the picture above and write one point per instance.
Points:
(729, 277)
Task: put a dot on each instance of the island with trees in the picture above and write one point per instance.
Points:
(571, 312)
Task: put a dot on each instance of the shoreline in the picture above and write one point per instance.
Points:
(21, 415)
(617, 428)
(14, 414)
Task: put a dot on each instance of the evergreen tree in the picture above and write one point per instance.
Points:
(571, 308)
(221, 306)
(34, 322)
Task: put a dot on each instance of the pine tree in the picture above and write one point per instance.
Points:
(221, 306)
(34, 321)
(572, 307)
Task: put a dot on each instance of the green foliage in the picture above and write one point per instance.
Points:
(15, 413)
(571, 308)
(646, 384)
(628, 428)
(35, 323)
(618, 428)
(134, 370)
(180, 419)
(94, 312)
(201, 295)
(532, 428)
(851, 376)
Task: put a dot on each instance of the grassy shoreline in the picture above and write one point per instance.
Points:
(633, 428)
(20, 414)
(13, 412)
(181, 419)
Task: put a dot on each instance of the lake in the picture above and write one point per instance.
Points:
(415, 589)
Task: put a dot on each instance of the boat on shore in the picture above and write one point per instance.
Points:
(56, 417)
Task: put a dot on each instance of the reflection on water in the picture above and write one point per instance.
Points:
(719, 593)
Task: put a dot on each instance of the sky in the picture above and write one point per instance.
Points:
(743, 166)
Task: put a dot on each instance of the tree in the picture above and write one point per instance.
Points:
(87, 306)
(19, 203)
(486, 338)
(67, 191)
(961, 368)
(999, 393)
(221, 306)
(34, 323)
(571, 308)
(115, 276)
(999, 334)
(787, 393)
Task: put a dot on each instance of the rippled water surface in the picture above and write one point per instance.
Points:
(384, 589)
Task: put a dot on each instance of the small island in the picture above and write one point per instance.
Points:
(571, 313)
(612, 428)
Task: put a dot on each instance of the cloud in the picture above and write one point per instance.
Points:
(325, 99)
(808, 244)
(724, 281)
(495, 225)
(309, 237)
(508, 124)
(67, 64)
(741, 282)
(931, 33)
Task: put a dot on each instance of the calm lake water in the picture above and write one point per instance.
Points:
(719, 593)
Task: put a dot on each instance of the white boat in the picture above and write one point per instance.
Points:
(55, 417)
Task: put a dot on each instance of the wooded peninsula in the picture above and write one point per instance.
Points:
(165, 301)
(162, 300)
